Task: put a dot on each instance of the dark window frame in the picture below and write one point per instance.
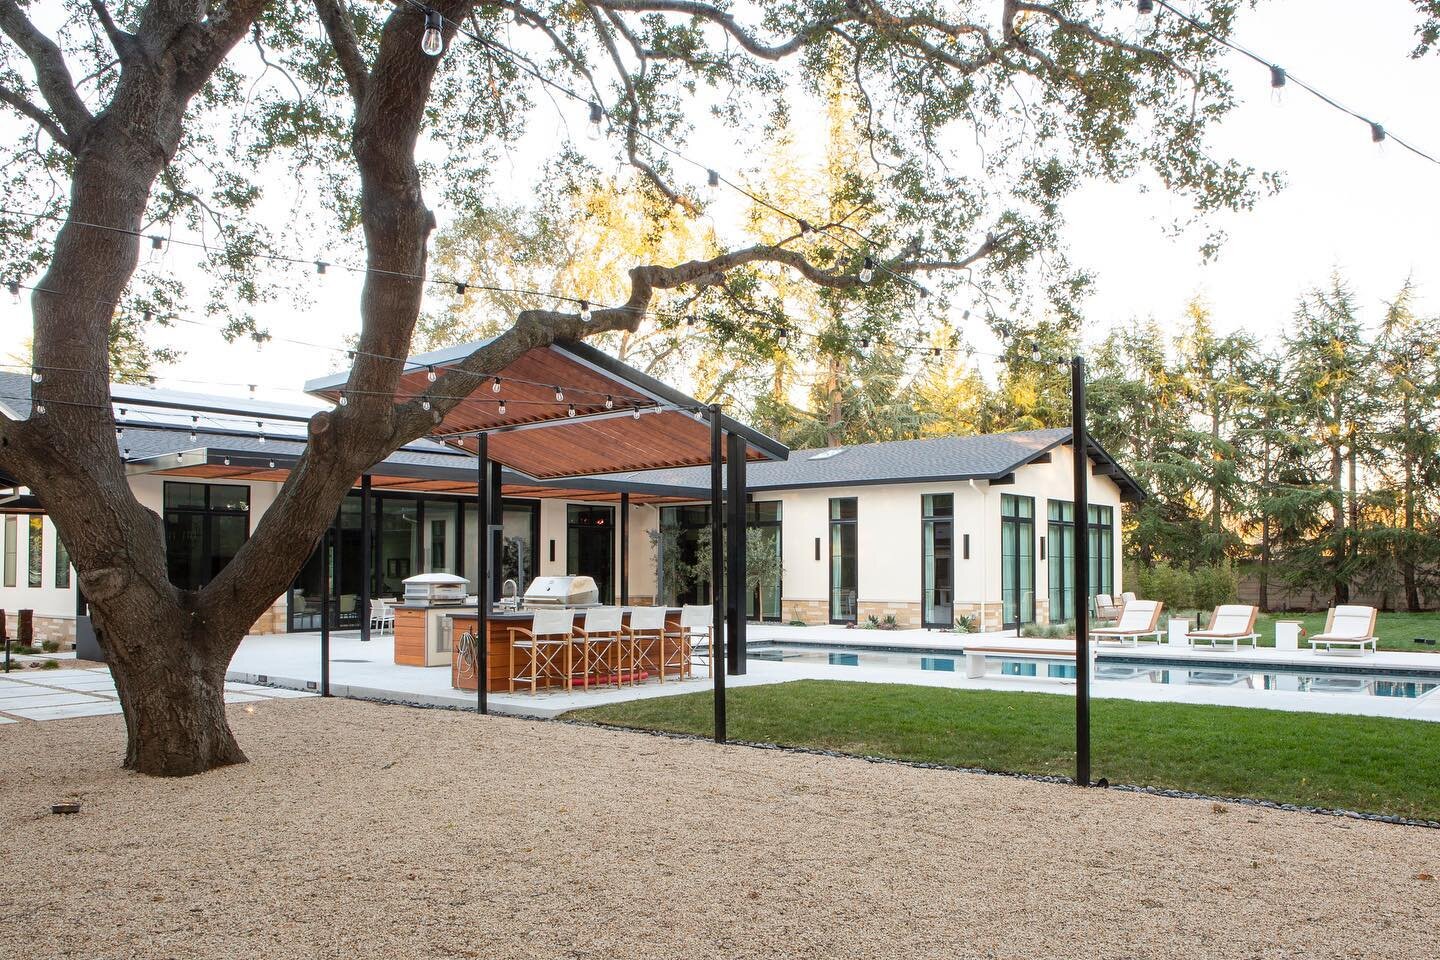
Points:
(854, 522)
(209, 515)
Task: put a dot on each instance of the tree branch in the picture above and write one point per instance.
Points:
(124, 43)
(47, 123)
(341, 31)
(52, 76)
(729, 24)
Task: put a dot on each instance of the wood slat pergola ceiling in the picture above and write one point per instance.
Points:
(536, 435)
(382, 483)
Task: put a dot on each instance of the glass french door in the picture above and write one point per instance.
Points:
(1017, 560)
(938, 562)
(844, 562)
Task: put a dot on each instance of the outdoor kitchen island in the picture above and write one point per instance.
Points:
(499, 623)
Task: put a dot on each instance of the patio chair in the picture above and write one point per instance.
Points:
(1351, 627)
(1106, 608)
(645, 641)
(547, 647)
(697, 627)
(1232, 623)
(1126, 597)
(601, 645)
(1139, 618)
(381, 616)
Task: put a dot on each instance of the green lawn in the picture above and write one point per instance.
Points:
(1373, 764)
(1396, 631)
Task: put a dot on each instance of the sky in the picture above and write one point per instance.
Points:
(1371, 212)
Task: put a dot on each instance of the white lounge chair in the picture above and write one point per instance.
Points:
(1232, 623)
(1350, 627)
(1140, 618)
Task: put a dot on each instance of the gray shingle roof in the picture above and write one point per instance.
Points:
(978, 457)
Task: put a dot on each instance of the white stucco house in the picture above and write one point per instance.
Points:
(925, 531)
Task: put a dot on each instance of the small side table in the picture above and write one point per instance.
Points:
(1287, 634)
(1178, 630)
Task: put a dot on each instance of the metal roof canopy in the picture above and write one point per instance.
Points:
(596, 440)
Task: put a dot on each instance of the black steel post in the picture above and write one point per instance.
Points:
(1081, 450)
(494, 536)
(625, 549)
(366, 561)
(482, 573)
(717, 568)
(735, 573)
(325, 612)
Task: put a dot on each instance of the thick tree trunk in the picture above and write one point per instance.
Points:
(1338, 544)
(175, 709)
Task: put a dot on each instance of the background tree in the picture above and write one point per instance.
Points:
(169, 128)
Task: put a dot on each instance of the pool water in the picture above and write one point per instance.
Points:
(1220, 675)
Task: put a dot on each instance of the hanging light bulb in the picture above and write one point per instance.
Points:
(431, 42)
(609, 402)
(119, 433)
(689, 321)
(320, 266)
(430, 374)
(1035, 352)
(156, 245)
(460, 288)
(502, 408)
(559, 395)
(867, 269)
(712, 180)
(597, 116)
(783, 336)
(14, 287)
(864, 343)
(1377, 133)
(636, 414)
(260, 425)
(425, 405)
(965, 315)
(1146, 10)
(585, 314)
(227, 461)
(40, 408)
(37, 377)
(344, 401)
(179, 458)
(272, 464)
(1277, 76)
(570, 411)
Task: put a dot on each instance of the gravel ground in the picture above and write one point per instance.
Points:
(367, 831)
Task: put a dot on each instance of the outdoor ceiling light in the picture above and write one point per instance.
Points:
(431, 42)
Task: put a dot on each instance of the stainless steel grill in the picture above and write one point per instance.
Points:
(435, 589)
(562, 592)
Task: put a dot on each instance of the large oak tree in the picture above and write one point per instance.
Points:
(976, 118)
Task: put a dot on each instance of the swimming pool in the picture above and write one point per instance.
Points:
(1119, 670)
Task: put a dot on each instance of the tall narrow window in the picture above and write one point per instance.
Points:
(1102, 550)
(844, 564)
(937, 520)
(205, 525)
(1017, 560)
(762, 526)
(1062, 560)
(35, 550)
(11, 528)
(62, 564)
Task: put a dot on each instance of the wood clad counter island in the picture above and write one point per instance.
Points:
(462, 621)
